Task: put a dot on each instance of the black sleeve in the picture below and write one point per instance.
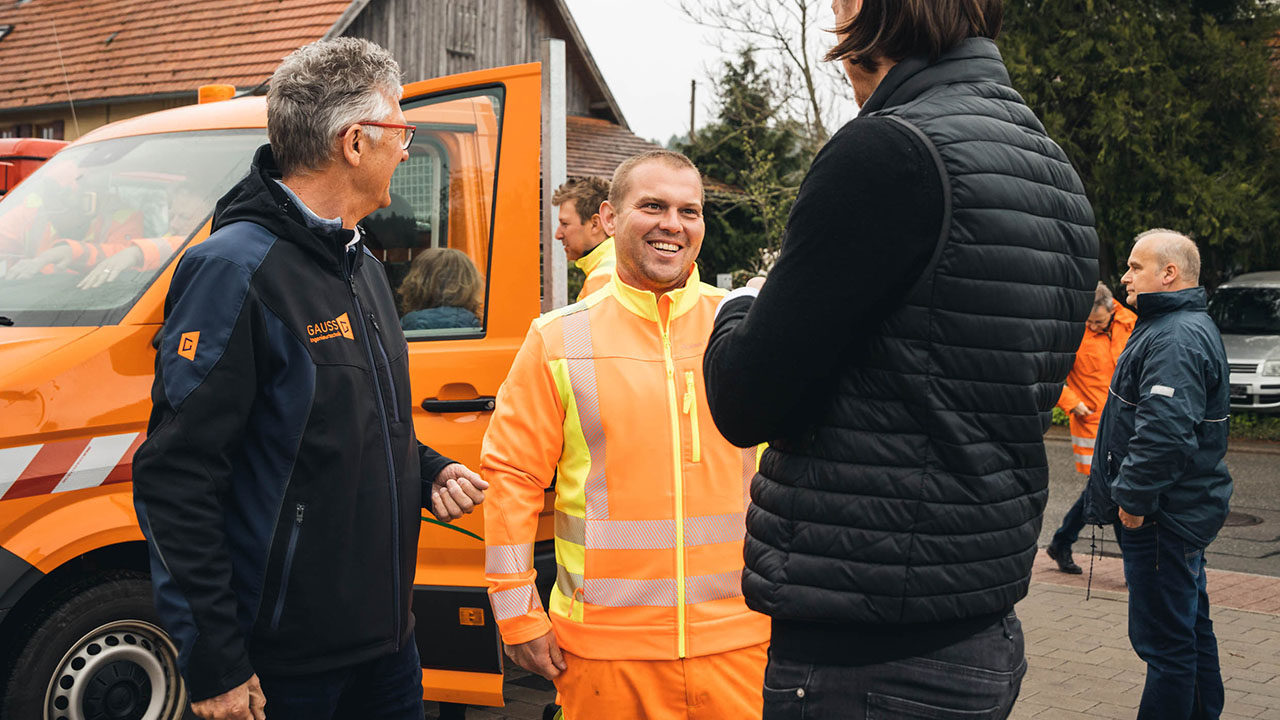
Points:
(863, 229)
(431, 463)
(204, 389)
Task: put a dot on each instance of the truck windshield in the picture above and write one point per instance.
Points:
(1246, 310)
(86, 234)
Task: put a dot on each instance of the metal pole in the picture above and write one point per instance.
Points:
(555, 266)
(693, 104)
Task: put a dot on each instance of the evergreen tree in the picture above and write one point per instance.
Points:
(1168, 109)
(754, 148)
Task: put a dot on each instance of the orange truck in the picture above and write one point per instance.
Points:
(88, 245)
(19, 157)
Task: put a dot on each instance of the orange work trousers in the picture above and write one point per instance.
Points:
(727, 686)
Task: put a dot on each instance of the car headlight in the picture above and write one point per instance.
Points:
(1271, 367)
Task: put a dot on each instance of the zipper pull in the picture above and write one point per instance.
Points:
(374, 321)
(297, 519)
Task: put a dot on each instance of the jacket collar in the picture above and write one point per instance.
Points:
(1161, 303)
(645, 304)
(972, 61)
(261, 200)
(597, 257)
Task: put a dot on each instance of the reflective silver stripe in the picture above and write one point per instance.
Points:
(1084, 459)
(748, 472)
(703, 588)
(650, 534)
(513, 603)
(1126, 402)
(1221, 419)
(508, 559)
(582, 376)
(162, 246)
(619, 592)
(568, 582)
(713, 529)
(571, 528)
(631, 534)
(1083, 442)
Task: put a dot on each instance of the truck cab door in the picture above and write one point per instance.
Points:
(460, 246)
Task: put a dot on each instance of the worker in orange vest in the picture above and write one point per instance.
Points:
(1083, 396)
(582, 232)
(646, 618)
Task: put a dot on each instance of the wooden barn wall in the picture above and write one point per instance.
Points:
(431, 38)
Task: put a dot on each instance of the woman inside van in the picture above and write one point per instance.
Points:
(442, 290)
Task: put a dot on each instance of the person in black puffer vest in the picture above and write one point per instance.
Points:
(902, 362)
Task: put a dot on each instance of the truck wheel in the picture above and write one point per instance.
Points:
(99, 654)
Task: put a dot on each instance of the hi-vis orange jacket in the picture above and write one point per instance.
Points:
(598, 265)
(1090, 379)
(606, 396)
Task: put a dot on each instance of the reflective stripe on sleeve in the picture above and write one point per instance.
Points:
(508, 559)
(1083, 442)
(513, 603)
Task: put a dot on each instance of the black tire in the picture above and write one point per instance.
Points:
(98, 654)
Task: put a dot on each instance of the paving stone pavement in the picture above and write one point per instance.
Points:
(1080, 663)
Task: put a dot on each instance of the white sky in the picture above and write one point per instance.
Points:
(648, 52)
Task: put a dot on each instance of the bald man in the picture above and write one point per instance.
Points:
(1158, 474)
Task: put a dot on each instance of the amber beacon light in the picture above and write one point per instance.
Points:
(216, 93)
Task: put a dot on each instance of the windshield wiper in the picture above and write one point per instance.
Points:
(5, 321)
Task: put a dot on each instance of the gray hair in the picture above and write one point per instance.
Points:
(1102, 297)
(1174, 248)
(320, 90)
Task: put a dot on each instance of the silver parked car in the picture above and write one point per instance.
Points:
(1247, 311)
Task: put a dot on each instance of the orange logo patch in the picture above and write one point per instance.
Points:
(329, 329)
(187, 345)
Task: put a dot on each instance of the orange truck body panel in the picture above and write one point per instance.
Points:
(68, 390)
(19, 157)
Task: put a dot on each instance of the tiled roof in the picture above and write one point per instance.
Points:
(122, 48)
(595, 147)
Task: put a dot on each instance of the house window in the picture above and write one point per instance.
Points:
(51, 131)
(9, 132)
(464, 25)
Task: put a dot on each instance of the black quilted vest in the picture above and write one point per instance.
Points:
(916, 493)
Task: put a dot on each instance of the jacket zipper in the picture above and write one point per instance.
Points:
(300, 510)
(386, 444)
(679, 478)
(691, 409)
(382, 350)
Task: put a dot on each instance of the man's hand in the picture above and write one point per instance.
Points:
(1081, 410)
(756, 282)
(242, 703)
(59, 256)
(540, 655)
(109, 269)
(455, 492)
(1130, 521)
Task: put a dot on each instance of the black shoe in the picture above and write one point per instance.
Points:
(1063, 558)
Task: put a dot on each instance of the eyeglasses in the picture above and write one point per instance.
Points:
(408, 130)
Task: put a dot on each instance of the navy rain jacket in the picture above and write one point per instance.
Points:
(1163, 437)
(280, 485)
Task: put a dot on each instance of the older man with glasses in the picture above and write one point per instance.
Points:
(281, 485)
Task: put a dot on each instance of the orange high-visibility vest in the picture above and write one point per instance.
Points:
(606, 396)
(598, 266)
(1090, 380)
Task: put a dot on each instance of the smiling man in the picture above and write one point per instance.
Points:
(646, 619)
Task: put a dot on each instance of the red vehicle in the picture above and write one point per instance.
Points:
(19, 157)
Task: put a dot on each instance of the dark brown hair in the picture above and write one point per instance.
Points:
(899, 29)
(621, 184)
(586, 193)
(441, 277)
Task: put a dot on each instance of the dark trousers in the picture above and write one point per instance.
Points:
(1072, 523)
(976, 679)
(1169, 625)
(385, 688)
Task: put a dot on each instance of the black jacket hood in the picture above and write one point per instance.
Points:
(259, 200)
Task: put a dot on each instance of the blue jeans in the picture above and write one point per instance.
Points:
(975, 679)
(1169, 625)
(385, 688)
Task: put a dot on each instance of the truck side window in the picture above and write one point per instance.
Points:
(434, 239)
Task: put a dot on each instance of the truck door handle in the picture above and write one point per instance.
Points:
(484, 403)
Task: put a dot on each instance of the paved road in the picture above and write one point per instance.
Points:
(1255, 467)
